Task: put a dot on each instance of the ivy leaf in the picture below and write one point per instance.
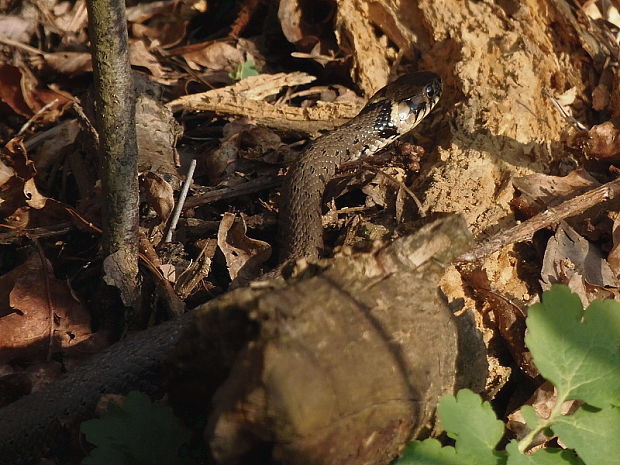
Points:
(593, 433)
(136, 433)
(541, 457)
(473, 425)
(579, 352)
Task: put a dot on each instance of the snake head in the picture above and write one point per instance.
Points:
(411, 97)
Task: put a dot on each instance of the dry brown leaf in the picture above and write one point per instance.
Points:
(166, 29)
(140, 56)
(69, 63)
(19, 90)
(543, 401)
(547, 191)
(49, 151)
(243, 254)
(31, 294)
(216, 56)
(10, 90)
(6, 173)
(613, 258)
(603, 141)
(16, 28)
(144, 11)
(157, 132)
(159, 194)
(570, 259)
(601, 96)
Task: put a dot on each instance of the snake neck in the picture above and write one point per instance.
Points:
(301, 227)
(390, 113)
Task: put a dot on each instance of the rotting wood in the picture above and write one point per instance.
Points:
(245, 99)
(376, 360)
(316, 380)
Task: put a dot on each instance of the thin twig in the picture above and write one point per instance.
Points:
(571, 119)
(34, 117)
(250, 187)
(27, 48)
(552, 215)
(176, 214)
(85, 122)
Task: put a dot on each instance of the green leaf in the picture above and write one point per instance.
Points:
(542, 457)
(138, 433)
(593, 433)
(473, 425)
(430, 452)
(579, 352)
(243, 70)
(531, 417)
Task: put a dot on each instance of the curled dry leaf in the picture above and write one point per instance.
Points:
(6, 173)
(159, 194)
(157, 132)
(69, 63)
(18, 189)
(570, 259)
(140, 56)
(542, 401)
(307, 35)
(49, 151)
(603, 141)
(243, 254)
(166, 28)
(144, 11)
(19, 90)
(600, 97)
(241, 140)
(216, 56)
(10, 90)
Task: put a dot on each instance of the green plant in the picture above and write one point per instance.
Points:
(579, 352)
(243, 70)
(136, 433)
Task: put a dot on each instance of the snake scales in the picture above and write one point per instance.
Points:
(391, 112)
(30, 425)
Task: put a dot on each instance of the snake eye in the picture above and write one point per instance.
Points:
(431, 90)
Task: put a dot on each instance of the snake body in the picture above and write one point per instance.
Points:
(390, 113)
(31, 424)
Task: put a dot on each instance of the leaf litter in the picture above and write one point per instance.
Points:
(243, 132)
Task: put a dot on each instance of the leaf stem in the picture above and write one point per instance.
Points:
(543, 423)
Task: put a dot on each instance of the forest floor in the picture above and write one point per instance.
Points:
(525, 125)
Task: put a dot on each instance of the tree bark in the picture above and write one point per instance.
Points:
(116, 125)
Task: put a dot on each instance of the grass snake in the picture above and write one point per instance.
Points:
(32, 424)
(390, 113)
